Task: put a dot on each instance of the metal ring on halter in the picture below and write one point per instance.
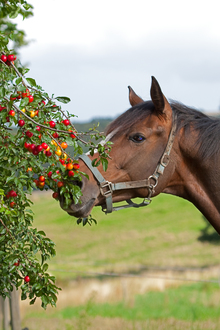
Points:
(155, 179)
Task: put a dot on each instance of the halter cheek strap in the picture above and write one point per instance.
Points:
(107, 188)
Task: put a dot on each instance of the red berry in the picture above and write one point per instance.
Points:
(13, 98)
(12, 193)
(70, 173)
(17, 263)
(55, 135)
(36, 182)
(49, 174)
(48, 153)
(32, 147)
(12, 113)
(41, 178)
(31, 98)
(29, 134)
(4, 58)
(62, 161)
(26, 94)
(27, 145)
(27, 279)
(2, 108)
(52, 124)
(12, 204)
(38, 128)
(21, 122)
(73, 136)
(35, 152)
(39, 148)
(44, 145)
(66, 122)
(76, 166)
(60, 184)
(41, 184)
(11, 57)
(55, 195)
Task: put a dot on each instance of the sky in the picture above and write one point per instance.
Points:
(91, 50)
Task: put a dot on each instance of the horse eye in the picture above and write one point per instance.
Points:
(137, 138)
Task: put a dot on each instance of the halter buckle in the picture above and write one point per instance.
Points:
(106, 188)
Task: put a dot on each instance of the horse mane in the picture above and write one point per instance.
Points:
(208, 128)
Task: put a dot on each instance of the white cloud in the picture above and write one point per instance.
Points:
(91, 50)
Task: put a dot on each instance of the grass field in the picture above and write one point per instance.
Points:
(168, 234)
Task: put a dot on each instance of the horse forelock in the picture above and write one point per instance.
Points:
(130, 117)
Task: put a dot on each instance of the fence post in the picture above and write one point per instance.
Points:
(1, 312)
(5, 320)
(15, 310)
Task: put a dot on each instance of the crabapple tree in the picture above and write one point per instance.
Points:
(35, 136)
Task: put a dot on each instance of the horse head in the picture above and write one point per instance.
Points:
(139, 136)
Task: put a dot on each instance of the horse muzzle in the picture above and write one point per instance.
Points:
(80, 210)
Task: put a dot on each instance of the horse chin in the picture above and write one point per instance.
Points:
(81, 210)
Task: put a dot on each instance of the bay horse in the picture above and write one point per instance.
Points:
(158, 147)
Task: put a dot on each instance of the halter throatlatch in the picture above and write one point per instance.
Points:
(107, 188)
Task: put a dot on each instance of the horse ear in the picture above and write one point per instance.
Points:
(160, 102)
(134, 99)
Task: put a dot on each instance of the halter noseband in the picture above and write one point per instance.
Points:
(107, 188)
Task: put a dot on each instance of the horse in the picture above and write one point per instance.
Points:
(158, 146)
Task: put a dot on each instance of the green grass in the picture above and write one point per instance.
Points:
(195, 303)
(191, 302)
(163, 234)
(168, 233)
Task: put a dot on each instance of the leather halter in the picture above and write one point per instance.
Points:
(107, 188)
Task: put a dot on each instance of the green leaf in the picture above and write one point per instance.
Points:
(2, 238)
(45, 267)
(104, 162)
(24, 102)
(31, 81)
(33, 301)
(63, 99)
(18, 80)
(15, 13)
(2, 91)
(41, 232)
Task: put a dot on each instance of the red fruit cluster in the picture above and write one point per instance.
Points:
(33, 148)
(8, 59)
(11, 194)
(40, 182)
(21, 94)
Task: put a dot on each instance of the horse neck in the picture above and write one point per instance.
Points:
(196, 179)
